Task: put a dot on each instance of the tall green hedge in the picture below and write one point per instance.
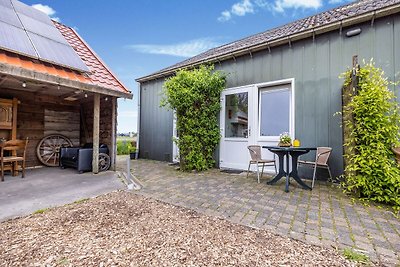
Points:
(195, 97)
(376, 175)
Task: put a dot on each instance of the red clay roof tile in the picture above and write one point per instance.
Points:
(100, 73)
(36, 65)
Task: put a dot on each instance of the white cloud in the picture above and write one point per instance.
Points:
(238, 9)
(225, 16)
(333, 2)
(281, 5)
(242, 8)
(49, 11)
(251, 6)
(262, 3)
(185, 49)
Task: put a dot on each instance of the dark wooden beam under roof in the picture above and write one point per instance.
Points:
(28, 75)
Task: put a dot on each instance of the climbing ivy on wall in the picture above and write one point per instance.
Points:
(371, 170)
(195, 97)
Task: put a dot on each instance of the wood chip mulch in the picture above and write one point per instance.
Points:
(124, 229)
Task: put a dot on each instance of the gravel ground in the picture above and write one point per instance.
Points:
(124, 229)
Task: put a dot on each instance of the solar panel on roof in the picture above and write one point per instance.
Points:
(9, 16)
(38, 27)
(55, 52)
(31, 12)
(15, 39)
(30, 32)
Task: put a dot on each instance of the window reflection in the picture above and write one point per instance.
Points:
(236, 115)
(274, 112)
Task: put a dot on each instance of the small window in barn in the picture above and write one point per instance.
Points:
(236, 115)
(274, 111)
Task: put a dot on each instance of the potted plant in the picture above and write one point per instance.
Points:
(133, 154)
(285, 139)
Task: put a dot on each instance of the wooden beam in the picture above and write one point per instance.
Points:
(96, 133)
(39, 77)
(113, 132)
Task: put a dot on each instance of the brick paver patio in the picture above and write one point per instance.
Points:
(324, 216)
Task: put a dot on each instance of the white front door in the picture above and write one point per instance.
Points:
(254, 115)
(236, 118)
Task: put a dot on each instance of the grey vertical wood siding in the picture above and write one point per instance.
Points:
(314, 64)
(155, 137)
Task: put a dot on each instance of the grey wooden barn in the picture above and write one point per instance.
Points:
(284, 79)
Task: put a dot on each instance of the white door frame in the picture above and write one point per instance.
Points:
(254, 119)
(225, 141)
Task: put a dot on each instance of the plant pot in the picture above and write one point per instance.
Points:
(284, 144)
(133, 155)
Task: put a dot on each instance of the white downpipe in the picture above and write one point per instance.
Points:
(138, 124)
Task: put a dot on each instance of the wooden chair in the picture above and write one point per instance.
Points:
(16, 153)
(255, 154)
(396, 151)
(321, 161)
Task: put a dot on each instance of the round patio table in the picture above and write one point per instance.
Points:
(294, 153)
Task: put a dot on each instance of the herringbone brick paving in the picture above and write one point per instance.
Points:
(324, 216)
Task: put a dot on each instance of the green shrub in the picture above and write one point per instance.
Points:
(376, 175)
(195, 97)
(124, 147)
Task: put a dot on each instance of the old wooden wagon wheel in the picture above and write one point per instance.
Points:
(48, 149)
(104, 162)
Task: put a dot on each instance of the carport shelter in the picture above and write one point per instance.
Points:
(52, 82)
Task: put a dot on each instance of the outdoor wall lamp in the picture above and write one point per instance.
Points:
(24, 84)
(353, 32)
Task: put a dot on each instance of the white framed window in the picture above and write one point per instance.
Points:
(275, 111)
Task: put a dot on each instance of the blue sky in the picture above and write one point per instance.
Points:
(138, 37)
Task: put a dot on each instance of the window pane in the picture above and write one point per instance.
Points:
(275, 112)
(236, 115)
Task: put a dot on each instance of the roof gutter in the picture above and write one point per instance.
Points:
(372, 15)
(25, 74)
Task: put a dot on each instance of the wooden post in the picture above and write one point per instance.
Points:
(96, 133)
(14, 119)
(348, 92)
(113, 132)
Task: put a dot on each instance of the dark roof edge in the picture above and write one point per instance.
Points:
(373, 14)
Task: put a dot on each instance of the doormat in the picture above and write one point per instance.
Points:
(232, 171)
